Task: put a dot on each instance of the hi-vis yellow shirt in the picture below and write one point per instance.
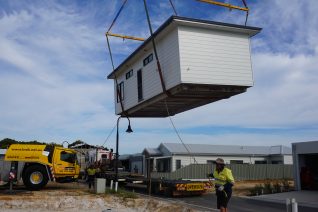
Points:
(91, 171)
(225, 176)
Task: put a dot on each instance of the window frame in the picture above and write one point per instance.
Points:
(236, 161)
(148, 59)
(129, 74)
(178, 164)
(69, 159)
(210, 162)
(120, 87)
(140, 86)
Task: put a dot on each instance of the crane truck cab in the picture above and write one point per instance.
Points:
(38, 164)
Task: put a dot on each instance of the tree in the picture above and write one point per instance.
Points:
(4, 143)
(77, 142)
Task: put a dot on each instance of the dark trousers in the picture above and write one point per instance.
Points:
(90, 181)
(223, 198)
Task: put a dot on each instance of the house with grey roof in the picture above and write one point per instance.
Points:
(168, 157)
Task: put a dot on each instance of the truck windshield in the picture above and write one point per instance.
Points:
(68, 157)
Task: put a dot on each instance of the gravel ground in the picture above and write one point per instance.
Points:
(76, 197)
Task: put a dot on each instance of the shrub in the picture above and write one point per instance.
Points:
(257, 190)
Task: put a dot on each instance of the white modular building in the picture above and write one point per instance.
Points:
(168, 157)
(201, 62)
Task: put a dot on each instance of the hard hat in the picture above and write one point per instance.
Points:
(219, 161)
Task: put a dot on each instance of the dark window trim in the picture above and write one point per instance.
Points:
(139, 86)
(148, 59)
(121, 90)
(178, 164)
(129, 74)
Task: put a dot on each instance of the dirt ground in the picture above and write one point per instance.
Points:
(76, 197)
(242, 188)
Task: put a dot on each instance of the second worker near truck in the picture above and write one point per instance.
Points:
(91, 174)
(224, 181)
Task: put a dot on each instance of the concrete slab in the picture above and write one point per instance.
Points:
(304, 198)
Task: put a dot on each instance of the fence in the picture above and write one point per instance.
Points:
(240, 171)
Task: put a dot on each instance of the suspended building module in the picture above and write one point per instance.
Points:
(201, 62)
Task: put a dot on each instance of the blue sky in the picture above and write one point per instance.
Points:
(54, 62)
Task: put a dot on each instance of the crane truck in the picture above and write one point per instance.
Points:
(38, 164)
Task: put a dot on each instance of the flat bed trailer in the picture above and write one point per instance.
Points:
(168, 187)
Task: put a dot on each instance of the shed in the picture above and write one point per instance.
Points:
(202, 62)
(305, 157)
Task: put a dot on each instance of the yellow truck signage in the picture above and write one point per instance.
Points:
(29, 153)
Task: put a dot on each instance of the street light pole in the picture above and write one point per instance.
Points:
(129, 130)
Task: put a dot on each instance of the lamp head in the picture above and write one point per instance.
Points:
(129, 130)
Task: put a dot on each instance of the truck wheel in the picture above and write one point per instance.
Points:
(35, 177)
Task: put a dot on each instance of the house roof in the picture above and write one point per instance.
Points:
(189, 21)
(207, 149)
(129, 156)
(152, 151)
(83, 146)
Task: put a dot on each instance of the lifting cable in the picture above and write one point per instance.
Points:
(178, 134)
(117, 15)
(118, 91)
(112, 61)
(245, 4)
(174, 9)
(111, 132)
(155, 49)
(108, 33)
(162, 80)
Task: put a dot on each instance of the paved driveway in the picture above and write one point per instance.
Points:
(207, 202)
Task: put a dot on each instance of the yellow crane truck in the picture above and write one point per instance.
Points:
(38, 164)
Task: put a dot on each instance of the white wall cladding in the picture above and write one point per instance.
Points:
(214, 57)
(187, 160)
(288, 159)
(168, 53)
(138, 165)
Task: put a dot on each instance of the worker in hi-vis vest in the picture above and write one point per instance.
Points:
(91, 172)
(224, 181)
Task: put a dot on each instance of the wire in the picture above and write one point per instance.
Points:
(110, 52)
(155, 49)
(174, 9)
(111, 132)
(178, 134)
(245, 4)
(118, 91)
(121, 8)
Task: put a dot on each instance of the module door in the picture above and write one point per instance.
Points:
(64, 162)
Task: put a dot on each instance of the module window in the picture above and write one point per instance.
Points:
(129, 74)
(120, 92)
(148, 59)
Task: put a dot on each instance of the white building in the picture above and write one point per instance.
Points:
(305, 157)
(168, 157)
(201, 62)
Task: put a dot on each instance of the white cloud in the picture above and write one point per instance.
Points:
(53, 77)
(54, 62)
